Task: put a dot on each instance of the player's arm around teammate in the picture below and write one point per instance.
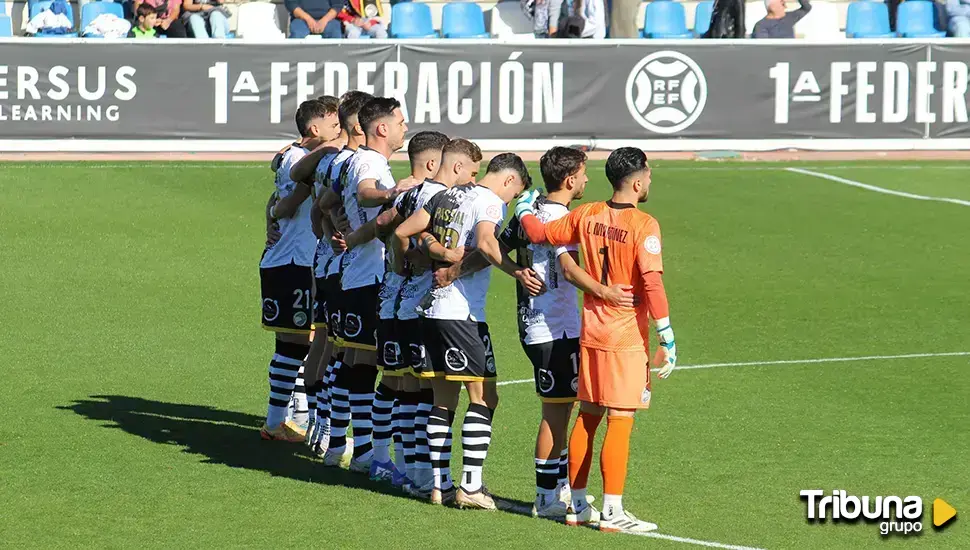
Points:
(614, 366)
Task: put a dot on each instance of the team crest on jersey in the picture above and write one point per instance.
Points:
(494, 212)
(299, 318)
(271, 309)
(392, 354)
(546, 381)
(575, 384)
(645, 396)
(652, 244)
(417, 355)
(455, 359)
(490, 363)
(352, 325)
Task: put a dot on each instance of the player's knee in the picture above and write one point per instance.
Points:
(446, 395)
(621, 412)
(302, 339)
(293, 350)
(362, 378)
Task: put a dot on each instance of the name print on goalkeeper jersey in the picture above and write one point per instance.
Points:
(454, 215)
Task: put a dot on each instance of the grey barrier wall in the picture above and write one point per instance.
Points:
(534, 90)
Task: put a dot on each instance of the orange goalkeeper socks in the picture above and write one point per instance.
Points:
(581, 449)
(615, 455)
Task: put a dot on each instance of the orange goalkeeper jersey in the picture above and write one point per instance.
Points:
(619, 243)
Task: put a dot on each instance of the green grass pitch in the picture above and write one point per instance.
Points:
(134, 367)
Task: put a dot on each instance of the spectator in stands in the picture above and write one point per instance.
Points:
(146, 18)
(779, 23)
(958, 12)
(199, 14)
(544, 15)
(168, 22)
(359, 20)
(623, 19)
(582, 19)
(315, 17)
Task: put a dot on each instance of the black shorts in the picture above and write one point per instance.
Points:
(394, 356)
(287, 298)
(333, 307)
(460, 351)
(320, 316)
(412, 339)
(359, 307)
(555, 366)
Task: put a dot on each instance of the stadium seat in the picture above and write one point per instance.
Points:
(867, 19)
(665, 20)
(508, 21)
(258, 21)
(91, 11)
(6, 27)
(702, 17)
(411, 20)
(41, 5)
(463, 20)
(917, 20)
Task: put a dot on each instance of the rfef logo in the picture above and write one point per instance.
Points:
(666, 92)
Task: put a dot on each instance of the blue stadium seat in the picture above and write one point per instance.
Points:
(91, 11)
(463, 20)
(867, 19)
(6, 27)
(38, 6)
(702, 17)
(665, 20)
(411, 20)
(917, 20)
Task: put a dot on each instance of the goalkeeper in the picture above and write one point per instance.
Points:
(620, 245)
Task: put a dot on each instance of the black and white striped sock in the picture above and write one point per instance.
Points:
(439, 446)
(563, 467)
(283, 371)
(408, 410)
(547, 470)
(339, 412)
(476, 435)
(361, 409)
(422, 458)
(298, 403)
(398, 439)
(382, 416)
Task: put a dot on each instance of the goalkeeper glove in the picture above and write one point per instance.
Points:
(666, 336)
(526, 203)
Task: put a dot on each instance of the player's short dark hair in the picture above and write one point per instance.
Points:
(622, 163)
(350, 105)
(462, 146)
(376, 109)
(559, 163)
(144, 10)
(309, 110)
(422, 142)
(331, 103)
(510, 161)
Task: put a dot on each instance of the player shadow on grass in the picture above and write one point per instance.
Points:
(229, 438)
(221, 437)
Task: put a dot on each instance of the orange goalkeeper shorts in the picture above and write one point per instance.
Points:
(614, 379)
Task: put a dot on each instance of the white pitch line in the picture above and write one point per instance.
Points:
(709, 544)
(877, 189)
(526, 511)
(792, 362)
